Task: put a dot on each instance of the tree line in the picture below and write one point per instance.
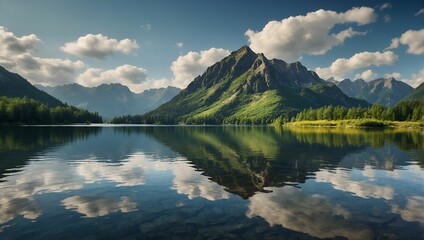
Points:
(29, 111)
(212, 120)
(404, 111)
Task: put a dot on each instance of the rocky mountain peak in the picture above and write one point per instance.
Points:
(297, 66)
(261, 63)
(243, 52)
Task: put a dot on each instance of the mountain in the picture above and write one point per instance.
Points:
(13, 85)
(157, 97)
(246, 87)
(352, 88)
(332, 80)
(383, 91)
(416, 94)
(111, 100)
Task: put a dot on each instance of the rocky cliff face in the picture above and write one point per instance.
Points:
(246, 85)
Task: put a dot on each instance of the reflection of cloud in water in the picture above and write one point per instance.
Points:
(17, 191)
(38, 177)
(12, 207)
(43, 177)
(130, 173)
(413, 211)
(193, 184)
(98, 206)
(368, 172)
(341, 180)
(314, 215)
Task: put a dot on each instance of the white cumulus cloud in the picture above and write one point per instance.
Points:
(394, 75)
(345, 66)
(11, 44)
(289, 38)
(189, 66)
(99, 46)
(366, 75)
(152, 83)
(16, 54)
(126, 74)
(48, 70)
(394, 44)
(416, 79)
(414, 39)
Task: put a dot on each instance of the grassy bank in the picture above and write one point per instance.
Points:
(357, 123)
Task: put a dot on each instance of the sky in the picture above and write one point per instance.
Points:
(150, 44)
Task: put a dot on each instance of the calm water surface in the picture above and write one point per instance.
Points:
(222, 182)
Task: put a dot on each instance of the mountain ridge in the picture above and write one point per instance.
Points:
(249, 88)
(384, 91)
(416, 94)
(111, 100)
(14, 85)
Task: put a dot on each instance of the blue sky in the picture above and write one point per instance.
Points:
(148, 44)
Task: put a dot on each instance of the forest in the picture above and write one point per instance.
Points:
(29, 111)
(404, 111)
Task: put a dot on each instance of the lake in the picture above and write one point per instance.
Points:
(210, 182)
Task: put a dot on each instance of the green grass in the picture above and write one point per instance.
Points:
(261, 105)
(357, 123)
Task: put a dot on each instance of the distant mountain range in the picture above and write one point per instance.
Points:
(416, 94)
(384, 91)
(246, 87)
(111, 100)
(13, 85)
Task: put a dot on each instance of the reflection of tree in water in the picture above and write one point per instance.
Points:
(381, 153)
(342, 137)
(20, 144)
(246, 160)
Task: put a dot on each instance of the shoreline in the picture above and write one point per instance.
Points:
(349, 123)
(356, 123)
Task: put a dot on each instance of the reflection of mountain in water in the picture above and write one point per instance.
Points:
(20, 144)
(110, 171)
(244, 160)
(249, 159)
